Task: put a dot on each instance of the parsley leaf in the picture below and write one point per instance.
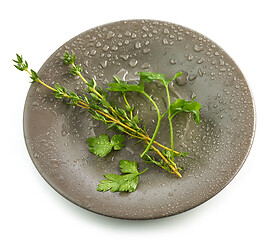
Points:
(102, 146)
(149, 77)
(127, 182)
(175, 76)
(125, 87)
(181, 105)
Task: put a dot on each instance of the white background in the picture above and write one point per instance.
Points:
(246, 209)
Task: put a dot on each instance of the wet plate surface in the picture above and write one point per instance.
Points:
(56, 133)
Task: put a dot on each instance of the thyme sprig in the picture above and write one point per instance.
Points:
(123, 120)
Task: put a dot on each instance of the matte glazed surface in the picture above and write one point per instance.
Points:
(56, 133)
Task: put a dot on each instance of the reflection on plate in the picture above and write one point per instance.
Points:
(56, 133)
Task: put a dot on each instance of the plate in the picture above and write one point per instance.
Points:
(56, 133)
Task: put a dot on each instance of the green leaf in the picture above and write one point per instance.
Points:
(60, 91)
(20, 64)
(76, 69)
(127, 182)
(117, 142)
(116, 79)
(102, 146)
(34, 75)
(175, 76)
(68, 59)
(105, 103)
(150, 159)
(125, 87)
(181, 105)
(183, 154)
(86, 99)
(166, 153)
(149, 77)
(97, 116)
(94, 96)
(112, 126)
(91, 85)
(128, 166)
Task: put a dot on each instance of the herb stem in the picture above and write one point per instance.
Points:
(170, 122)
(127, 103)
(94, 90)
(175, 171)
(158, 124)
(38, 80)
(143, 171)
(85, 81)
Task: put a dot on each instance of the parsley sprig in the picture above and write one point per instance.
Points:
(122, 119)
(127, 182)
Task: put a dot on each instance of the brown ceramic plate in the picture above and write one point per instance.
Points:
(56, 133)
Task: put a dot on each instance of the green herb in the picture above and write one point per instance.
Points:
(181, 105)
(20, 64)
(127, 182)
(102, 146)
(123, 120)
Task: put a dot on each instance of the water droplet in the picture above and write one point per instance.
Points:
(104, 63)
(201, 60)
(130, 150)
(93, 52)
(192, 77)
(145, 65)
(166, 31)
(173, 61)
(182, 80)
(144, 28)
(198, 48)
(98, 44)
(180, 136)
(133, 62)
(146, 50)
(105, 48)
(121, 74)
(190, 57)
(110, 35)
(165, 41)
(64, 133)
(128, 34)
(138, 45)
(193, 95)
(200, 72)
(35, 103)
(124, 56)
(86, 63)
